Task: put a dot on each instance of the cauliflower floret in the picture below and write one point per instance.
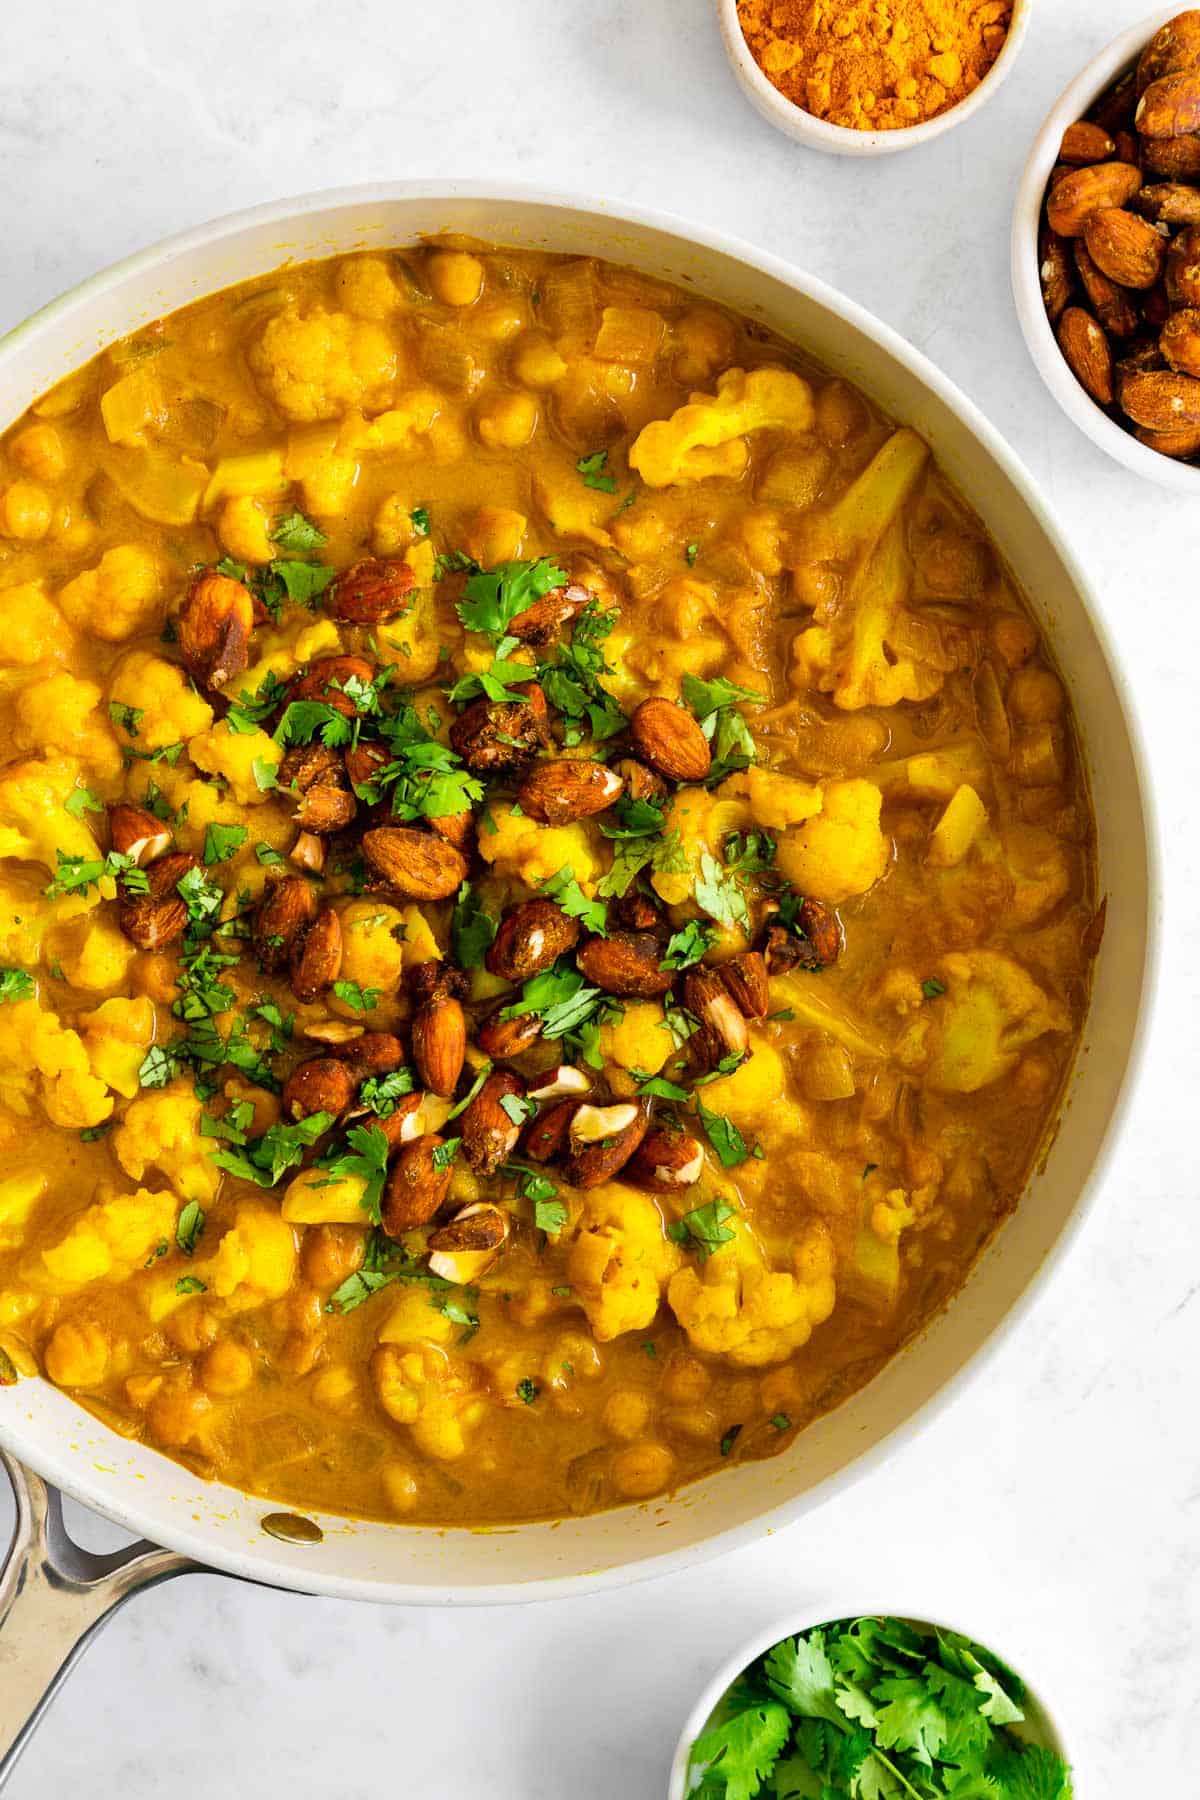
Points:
(112, 1238)
(639, 1038)
(117, 1036)
(705, 437)
(373, 945)
(754, 1088)
(735, 1306)
(842, 851)
(973, 1033)
(19, 1194)
(429, 1391)
(32, 629)
(59, 712)
(120, 597)
(36, 1051)
(36, 827)
(319, 365)
(254, 1261)
(93, 953)
(397, 429)
(775, 801)
(619, 1259)
(233, 755)
(526, 851)
(170, 710)
(573, 511)
(161, 1130)
(281, 653)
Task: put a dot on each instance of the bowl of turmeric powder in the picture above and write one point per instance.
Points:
(858, 78)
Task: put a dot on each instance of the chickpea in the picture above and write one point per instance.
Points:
(1014, 637)
(447, 440)
(498, 320)
(77, 1354)
(841, 414)
(579, 1352)
(177, 1415)
(392, 528)
(626, 1413)
(685, 1379)
(192, 1328)
(697, 1422)
(536, 363)
(640, 533)
(266, 1104)
(154, 975)
(141, 1389)
(455, 277)
(226, 1369)
(38, 450)
(506, 421)
(363, 286)
(336, 1390)
(330, 1253)
(1035, 696)
(705, 343)
(242, 529)
(642, 1469)
(25, 512)
(494, 535)
(400, 1487)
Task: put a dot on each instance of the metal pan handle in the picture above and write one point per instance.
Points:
(54, 1597)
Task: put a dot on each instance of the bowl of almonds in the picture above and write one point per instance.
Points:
(1106, 250)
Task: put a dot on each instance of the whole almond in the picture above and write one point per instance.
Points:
(283, 915)
(368, 1052)
(404, 1123)
(745, 975)
(1114, 109)
(495, 737)
(503, 1040)
(1175, 158)
(1181, 444)
(213, 629)
(626, 964)
(1174, 46)
(158, 917)
(369, 591)
(416, 1187)
(546, 1139)
(1170, 202)
(1179, 340)
(1156, 307)
(1183, 268)
(137, 833)
(364, 761)
(542, 621)
(1088, 353)
(1086, 142)
(1112, 305)
(439, 1028)
(492, 1123)
(670, 740)
(721, 1025)
(665, 1162)
(317, 957)
(560, 791)
(1054, 271)
(531, 936)
(592, 1159)
(1073, 200)
(479, 1227)
(326, 680)
(416, 864)
(456, 828)
(1161, 400)
(1129, 250)
(1128, 148)
(322, 1084)
(1170, 108)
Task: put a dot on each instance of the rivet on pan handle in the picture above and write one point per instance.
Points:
(54, 1597)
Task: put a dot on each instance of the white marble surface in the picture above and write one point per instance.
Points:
(1057, 1504)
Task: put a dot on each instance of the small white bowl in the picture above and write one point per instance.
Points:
(842, 140)
(1039, 1726)
(1052, 366)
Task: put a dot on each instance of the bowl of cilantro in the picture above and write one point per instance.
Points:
(869, 1707)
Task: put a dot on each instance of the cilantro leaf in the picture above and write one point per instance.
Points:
(303, 720)
(81, 800)
(703, 1229)
(720, 894)
(361, 999)
(494, 597)
(566, 892)
(800, 1673)
(708, 697)
(723, 1135)
(744, 1749)
(419, 519)
(302, 582)
(189, 1226)
(1034, 1773)
(15, 984)
(367, 1159)
(472, 928)
(687, 946)
(909, 1717)
(592, 469)
(223, 841)
(295, 532)
(549, 1216)
(268, 1158)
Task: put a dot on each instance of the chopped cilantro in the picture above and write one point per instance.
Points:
(472, 928)
(191, 1284)
(723, 1135)
(708, 697)
(303, 720)
(494, 597)
(189, 1226)
(549, 1216)
(268, 857)
(592, 468)
(748, 852)
(381, 1092)
(933, 989)
(573, 681)
(366, 1159)
(267, 1159)
(559, 997)
(444, 1154)
(703, 1229)
(361, 999)
(720, 894)
(264, 774)
(566, 892)
(419, 518)
(76, 874)
(691, 552)
(90, 1133)
(127, 717)
(15, 984)
(82, 800)
(295, 532)
(660, 1087)
(223, 841)
(687, 946)
(781, 1422)
(527, 1391)
(730, 1439)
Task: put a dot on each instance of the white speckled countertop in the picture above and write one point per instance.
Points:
(1057, 1503)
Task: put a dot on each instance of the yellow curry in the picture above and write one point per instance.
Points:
(547, 888)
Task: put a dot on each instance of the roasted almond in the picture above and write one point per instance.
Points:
(1156, 307)
(601, 1140)
(404, 1123)
(561, 791)
(1129, 250)
(531, 937)
(339, 1034)
(1086, 142)
(320, 1085)
(721, 1024)
(369, 1052)
(158, 917)
(1128, 148)
(326, 680)
(369, 591)
(669, 739)
(636, 912)
(491, 1124)
(745, 975)
(1175, 159)
(137, 833)
(565, 1082)
(640, 782)
(542, 621)
(456, 828)
(1183, 268)
(462, 1250)
(439, 1028)
(364, 761)
(326, 808)
(1054, 271)
(816, 943)
(1114, 108)
(414, 863)
(317, 775)
(285, 912)
(1179, 340)
(1181, 444)
(626, 964)
(416, 1188)
(317, 957)
(1111, 304)
(213, 629)
(665, 1162)
(546, 1138)
(1174, 46)
(1170, 202)
(1082, 192)
(495, 737)
(1170, 107)
(503, 1040)
(1161, 400)
(1088, 353)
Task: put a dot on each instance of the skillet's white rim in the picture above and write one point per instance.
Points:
(64, 1470)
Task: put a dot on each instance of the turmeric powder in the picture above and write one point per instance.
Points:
(875, 65)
